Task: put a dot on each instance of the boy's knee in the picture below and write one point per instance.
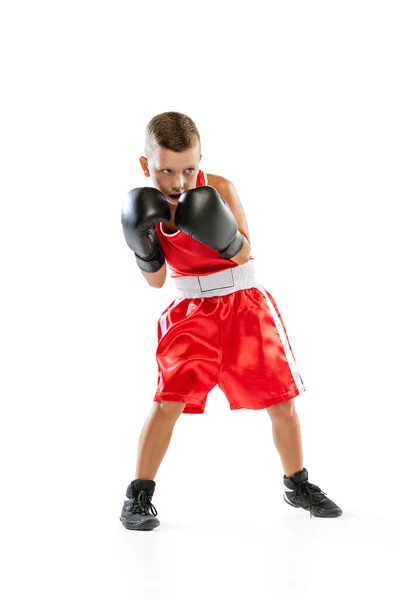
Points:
(283, 410)
(169, 409)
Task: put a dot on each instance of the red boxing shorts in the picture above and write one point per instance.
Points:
(225, 329)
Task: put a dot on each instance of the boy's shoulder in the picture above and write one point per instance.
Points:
(216, 180)
(223, 185)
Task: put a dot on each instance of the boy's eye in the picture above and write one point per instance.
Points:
(169, 170)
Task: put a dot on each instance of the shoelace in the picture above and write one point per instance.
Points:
(314, 493)
(142, 505)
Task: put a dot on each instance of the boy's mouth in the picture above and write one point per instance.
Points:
(174, 198)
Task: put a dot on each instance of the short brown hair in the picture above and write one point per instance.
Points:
(171, 130)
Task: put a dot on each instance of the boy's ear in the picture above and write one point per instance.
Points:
(145, 166)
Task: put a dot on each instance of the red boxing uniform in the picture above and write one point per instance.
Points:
(229, 334)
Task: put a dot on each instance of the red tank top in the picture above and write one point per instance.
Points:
(186, 256)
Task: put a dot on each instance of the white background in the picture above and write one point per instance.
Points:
(297, 102)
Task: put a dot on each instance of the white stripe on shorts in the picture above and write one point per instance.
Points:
(289, 355)
(163, 318)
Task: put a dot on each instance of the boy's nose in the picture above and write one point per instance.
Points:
(178, 185)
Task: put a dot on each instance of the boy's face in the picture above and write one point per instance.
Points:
(172, 172)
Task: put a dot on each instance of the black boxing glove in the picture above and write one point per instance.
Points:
(203, 214)
(141, 210)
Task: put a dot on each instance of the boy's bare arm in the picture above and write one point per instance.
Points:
(157, 279)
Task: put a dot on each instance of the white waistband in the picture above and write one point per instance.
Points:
(222, 283)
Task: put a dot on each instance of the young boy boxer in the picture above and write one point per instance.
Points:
(223, 328)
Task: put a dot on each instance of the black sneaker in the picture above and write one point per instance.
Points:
(299, 492)
(137, 506)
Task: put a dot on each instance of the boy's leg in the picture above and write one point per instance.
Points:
(155, 437)
(298, 491)
(287, 436)
(138, 511)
